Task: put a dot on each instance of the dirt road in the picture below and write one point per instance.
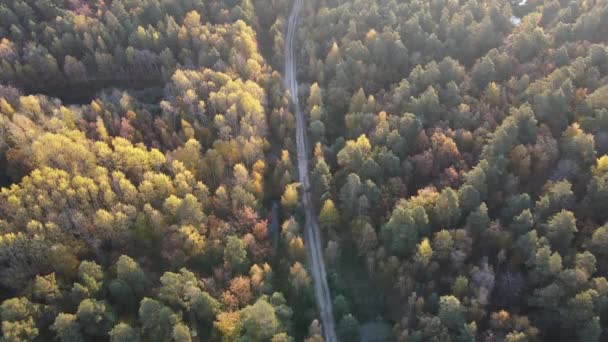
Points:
(312, 233)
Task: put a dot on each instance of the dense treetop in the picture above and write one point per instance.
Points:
(459, 166)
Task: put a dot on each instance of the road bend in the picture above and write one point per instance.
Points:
(312, 233)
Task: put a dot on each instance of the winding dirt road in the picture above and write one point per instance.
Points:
(312, 233)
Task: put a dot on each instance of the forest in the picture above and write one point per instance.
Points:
(149, 185)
